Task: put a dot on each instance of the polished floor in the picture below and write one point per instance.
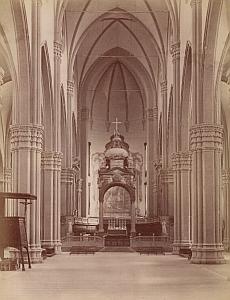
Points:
(117, 276)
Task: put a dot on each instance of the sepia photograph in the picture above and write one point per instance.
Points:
(114, 149)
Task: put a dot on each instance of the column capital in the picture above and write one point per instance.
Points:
(2, 74)
(163, 86)
(152, 113)
(51, 160)
(182, 161)
(70, 87)
(175, 50)
(26, 137)
(58, 49)
(226, 176)
(195, 3)
(84, 113)
(166, 175)
(67, 175)
(79, 185)
(206, 137)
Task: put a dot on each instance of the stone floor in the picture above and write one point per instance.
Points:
(117, 276)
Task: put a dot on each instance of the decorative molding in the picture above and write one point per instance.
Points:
(182, 161)
(166, 175)
(175, 51)
(26, 137)
(51, 161)
(70, 87)
(67, 175)
(84, 113)
(226, 176)
(57, 49)
(163, 87)
(2, 74)
(206, 137)
(195, 3)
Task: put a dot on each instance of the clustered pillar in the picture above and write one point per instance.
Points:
(206, 146)
(26, 147)
(226, 212)
(182, 205)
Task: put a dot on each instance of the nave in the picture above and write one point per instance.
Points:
(112, 276)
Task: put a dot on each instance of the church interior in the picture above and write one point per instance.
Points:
(114, 135)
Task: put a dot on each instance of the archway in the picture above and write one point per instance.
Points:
(115, 208)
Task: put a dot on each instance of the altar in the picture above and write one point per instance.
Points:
(116, 185)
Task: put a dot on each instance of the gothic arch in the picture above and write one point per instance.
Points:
(47, 98)
(23, 109)
(170, 127)
(63, 128)
(105, 188)
(186, 99)
(209, 65)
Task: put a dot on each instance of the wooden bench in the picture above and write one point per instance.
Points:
(151, 250)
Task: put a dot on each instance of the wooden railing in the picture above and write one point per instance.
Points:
(96, 241)
(149, 241)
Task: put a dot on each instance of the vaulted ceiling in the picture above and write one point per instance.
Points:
(117, 49)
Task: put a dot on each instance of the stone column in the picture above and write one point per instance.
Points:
(57, 147)
(84, 159)
(47, 199)
(164, 124)
(101, 228)
(206, 145)
(133, 218)
(50, 211)
(79, 190)
(152, 126)
(226, 209)
(67, 205)
(26, 146)
(182, 209)
(175, 51)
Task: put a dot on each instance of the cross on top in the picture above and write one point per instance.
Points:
(116, 125)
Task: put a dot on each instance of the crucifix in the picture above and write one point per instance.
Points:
(116, 125)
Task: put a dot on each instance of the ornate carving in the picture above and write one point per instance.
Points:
(67, 175)
(84, 113)
(182, 161)
(166, 175)
(76, 164)
(206, 137)
(175, 51)
(57, 49)
(163, 87)
(226, 176)
(2, 73)
(26, 137)
(51, 161)
(70, 87)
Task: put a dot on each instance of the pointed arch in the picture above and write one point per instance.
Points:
(186, 98)
(170, 127)
(209, 64)
(24, 107)
(47, 98)
(63, 128)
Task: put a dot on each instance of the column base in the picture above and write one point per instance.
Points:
(226, 244)
(208, 254)
(47, 244)
(57, 247)
(176, 248)
(35, 254)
